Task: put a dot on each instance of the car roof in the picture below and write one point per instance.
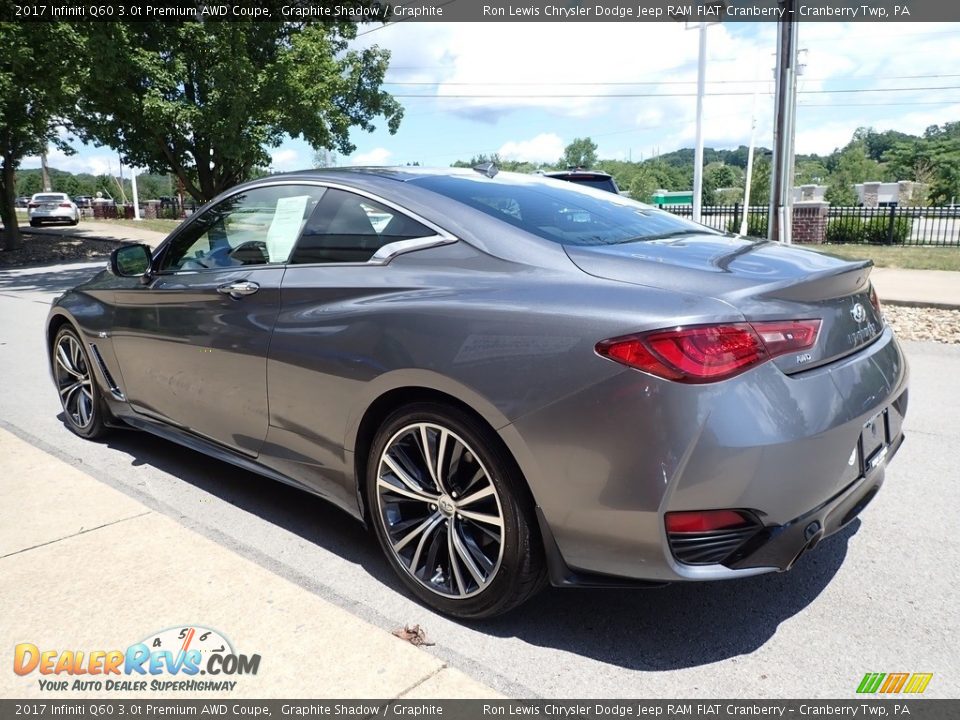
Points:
(402, 173)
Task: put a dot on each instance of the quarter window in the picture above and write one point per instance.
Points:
(255, 227)
(346, 227)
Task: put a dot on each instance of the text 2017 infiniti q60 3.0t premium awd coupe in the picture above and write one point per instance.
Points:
(512, 379)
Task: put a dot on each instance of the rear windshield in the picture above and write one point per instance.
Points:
(49, 198)
(561, 212)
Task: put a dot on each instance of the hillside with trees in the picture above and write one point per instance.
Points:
(932, 159)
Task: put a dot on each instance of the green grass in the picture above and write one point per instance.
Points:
(164, 226)
(908, 257)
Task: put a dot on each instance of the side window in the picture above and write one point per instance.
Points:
(350, 228)
(256, 227)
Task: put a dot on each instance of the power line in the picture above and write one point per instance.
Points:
(645, 82)
(870, 36)
(882, 104)
(572, 96)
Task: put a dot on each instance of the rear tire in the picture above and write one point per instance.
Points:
(34, 223)
(464, 539)
(83, 408)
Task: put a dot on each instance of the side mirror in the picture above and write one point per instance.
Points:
(130, 261)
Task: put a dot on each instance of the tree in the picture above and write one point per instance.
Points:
(720, 175)
(853, 166)
(35, 89)
(760, 182)
(809, 171)
(205, 100)
(582, 152)
(643, 184)
(324, 158)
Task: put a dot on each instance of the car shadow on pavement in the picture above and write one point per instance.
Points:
(679, 626)
(287, 507)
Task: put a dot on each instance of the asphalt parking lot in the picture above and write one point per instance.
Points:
(879, 597)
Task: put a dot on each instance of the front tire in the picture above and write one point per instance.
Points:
(452, 513)
(83, 408)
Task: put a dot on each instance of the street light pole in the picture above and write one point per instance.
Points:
(136, 198)
(781, 185)
(744, 222)
(698, 153)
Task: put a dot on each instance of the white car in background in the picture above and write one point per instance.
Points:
(51, 206)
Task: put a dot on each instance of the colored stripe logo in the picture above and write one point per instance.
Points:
(894, 683)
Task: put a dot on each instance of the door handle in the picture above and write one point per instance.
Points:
(238, 289)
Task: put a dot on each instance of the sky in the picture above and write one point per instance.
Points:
(899, 76)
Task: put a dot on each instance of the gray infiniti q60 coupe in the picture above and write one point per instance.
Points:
(514, 380)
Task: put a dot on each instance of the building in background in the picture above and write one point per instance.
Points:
(889, 194)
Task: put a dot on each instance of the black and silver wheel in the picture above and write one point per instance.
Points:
(452, 513)
(79, 396)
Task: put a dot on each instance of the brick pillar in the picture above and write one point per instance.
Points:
(810, 222)
(871, 194)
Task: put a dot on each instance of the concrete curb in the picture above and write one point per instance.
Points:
(65, 536)
(65, 232)
(920, 304)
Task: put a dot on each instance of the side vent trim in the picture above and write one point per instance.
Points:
(111, 383)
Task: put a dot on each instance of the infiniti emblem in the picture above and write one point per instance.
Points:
(859, 314)
(447, 506)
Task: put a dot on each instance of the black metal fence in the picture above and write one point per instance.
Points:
(933, 226)
(727, 218)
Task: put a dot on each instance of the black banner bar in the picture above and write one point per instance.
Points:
(895, 707)
(483, 10)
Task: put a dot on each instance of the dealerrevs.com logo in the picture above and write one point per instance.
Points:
(184, 653)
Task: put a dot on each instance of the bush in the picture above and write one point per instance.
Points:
(873, 231)
(756, 225)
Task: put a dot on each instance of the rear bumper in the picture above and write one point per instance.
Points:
(64, 214)
(607, 463)
(780, 546)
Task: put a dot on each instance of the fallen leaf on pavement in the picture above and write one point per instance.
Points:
(413, 635)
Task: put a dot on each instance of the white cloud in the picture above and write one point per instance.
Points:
(545, 147)
(528, 61)
(377, 156)
(517, 64)
(284, 159)
(95, 164)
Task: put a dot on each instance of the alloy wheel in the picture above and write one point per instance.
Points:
(74, 381)
(440, 510)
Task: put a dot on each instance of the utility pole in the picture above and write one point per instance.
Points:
(713, 9)
(744, 227)
(136, 199)
(780, 217)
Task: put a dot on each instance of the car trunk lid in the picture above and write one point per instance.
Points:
(762, 280)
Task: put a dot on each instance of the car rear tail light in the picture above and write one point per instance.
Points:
(33, 205)
(66, 205)
(707, 537)
(874, 300)
(700, 521)
(708, 353)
